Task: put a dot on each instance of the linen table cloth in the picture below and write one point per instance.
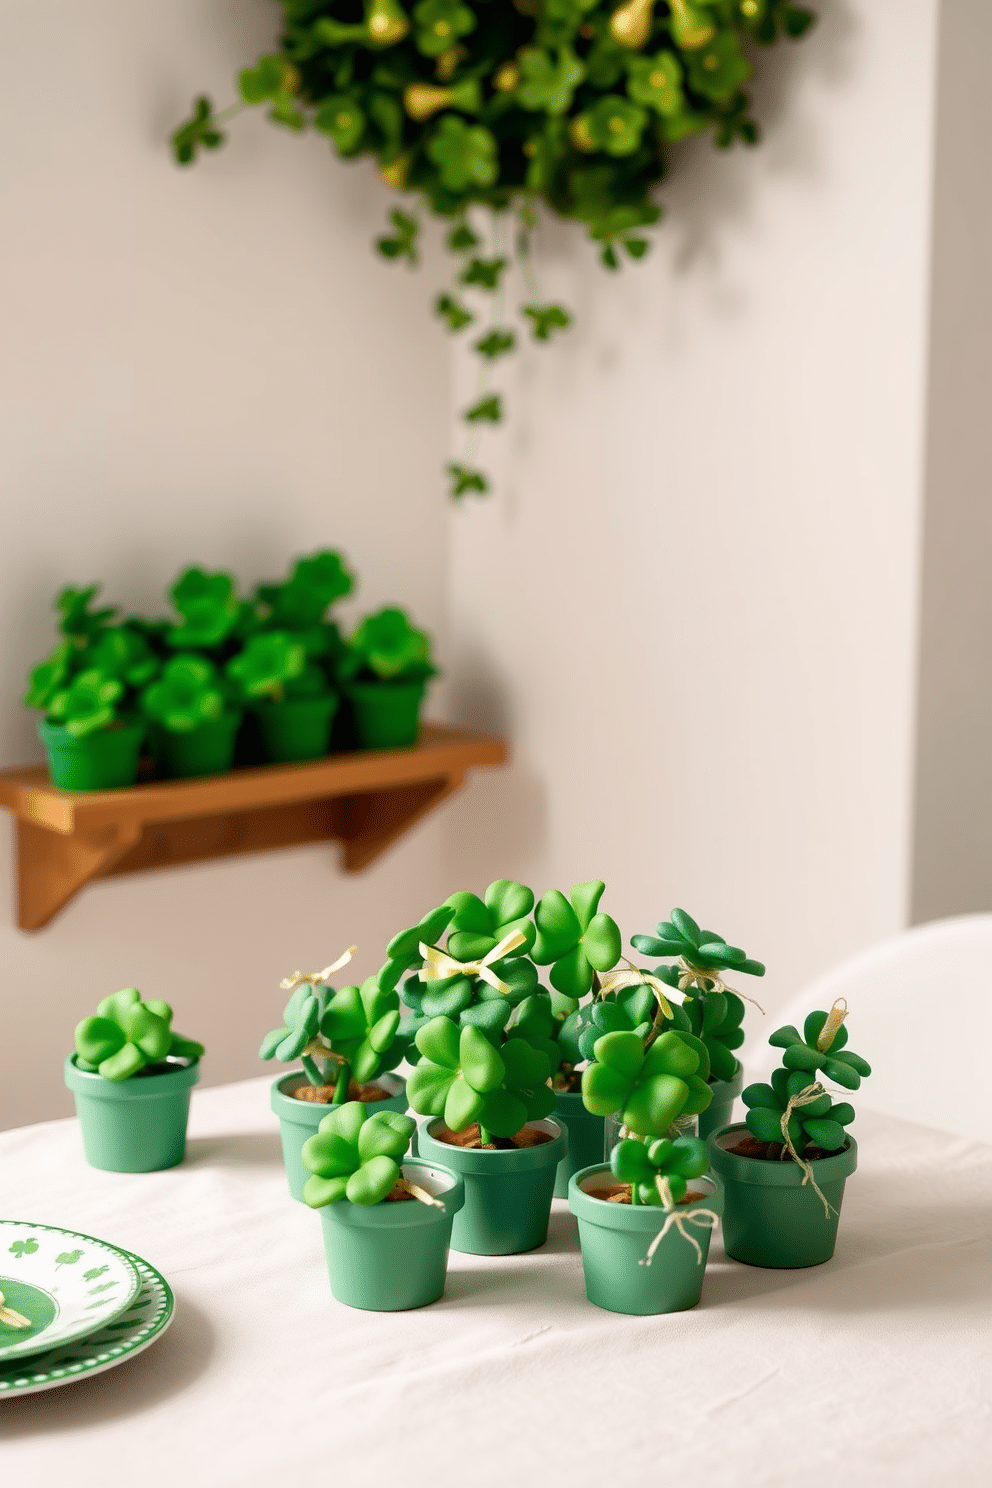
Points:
(873, 1369)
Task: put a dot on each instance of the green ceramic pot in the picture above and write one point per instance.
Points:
(507, 1194)
(106, 760)
(770, 1218)
(207, 750)
(585, 1138)
(296, 730)
(136, 1125)
(300, 1119)
(386, 714)
(615, 1239)
(719, 1113)
(391, 1257)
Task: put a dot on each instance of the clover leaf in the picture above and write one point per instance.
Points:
(355, 1156)
(301, 603)
(388, 648)
(208, 606)
(453, 311)
(123, 652)
(402, 243)
(652, 1087)
(631, 1010)
(268, 664)
(465, 153)
(78, 621)
(480, 924)
(577, 940)
(615, 124)
(463, 1078)
(546, 319)
(340, 117)
(126, 1034)
(273, 80)
(656, 82)
(641, 1164)
(465, 480)
(488, 410)
(403, 951)
(361, 1023)
(495, 344)
(548, 83)
(819, 1123)
(483, 273)
(199, 132)
(718, 69)
(440, 23)
(802, 1052)
(681, 936)
(186, 696)
(88, 704)
(50, 676)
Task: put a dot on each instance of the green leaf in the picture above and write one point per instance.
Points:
(373, 1181)
(622, 1052)
(463, 1104)
(604, 1090)
(480, 1063)
(344, 1121)
(385, 1133)
(546, 319)
(487, 410)
(464, 480)
(329, 1155)
(484, 273)
(427, 1087)
(199, 132)
(655, 1104)
(439, 1041)
(503, 1114)
(495, 345)
(319, 1192)
(629, 1162)
(453, 311)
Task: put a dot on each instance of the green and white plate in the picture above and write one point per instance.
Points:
(132, 1331)
(65, 1285)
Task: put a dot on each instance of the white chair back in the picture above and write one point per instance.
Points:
(921, 1014)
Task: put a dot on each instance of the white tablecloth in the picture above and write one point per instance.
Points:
(870, 1370)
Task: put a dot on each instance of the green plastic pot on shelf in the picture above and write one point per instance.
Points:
(136, 1125)
(720, 1112)
(507, 1193)
(207, 750)
(104, 760)
(391, 1257)
(615, 1239)
(299, 1119)
(296, 730)
(585, 1138)
(386, 714)
(771, 1218)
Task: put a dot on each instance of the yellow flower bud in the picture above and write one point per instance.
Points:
(421, 100)
(631, 24)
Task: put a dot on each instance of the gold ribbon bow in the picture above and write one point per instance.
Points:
(690, 974)
(806, 1097)
(630, 976)
(439, 965)
(11, 1318)
(705, 1218)
(315, 978)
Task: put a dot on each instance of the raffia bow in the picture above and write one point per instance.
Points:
(631, 976)
(315, 978)
(11, 1318)
(835, 1018)
(705, 1218)
(692, 975)
(438, 965)
(805, 1097)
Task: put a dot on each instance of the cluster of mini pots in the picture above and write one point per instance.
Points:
(230, 681)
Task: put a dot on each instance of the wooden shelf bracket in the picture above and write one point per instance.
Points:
(366, 801)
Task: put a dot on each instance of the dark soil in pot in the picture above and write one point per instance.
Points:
(323, 1095)
(772, 1151)
(619, 1193)
(470, 1137)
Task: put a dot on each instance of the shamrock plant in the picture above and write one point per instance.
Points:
(127, 1034)
(385, 647)
(817, 1121)
(88, 705)
(577, 105)
(188, 694)
(300, 604)
(575, 940)
(465, 1079)
(657, 1170)
(350, 1034)
(208, 607)
(269, 666)
(356, 1156)
(821, 1046)
(648, 1085)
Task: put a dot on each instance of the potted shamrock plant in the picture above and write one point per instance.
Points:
(652, 1076)
(288, 695)
(710, 1009)
(131, 1078)
(88, 688)
(784, 1170)
(385, 669)
(386, 1217)
(483, 1053)
(347, 1042)
(193, 726)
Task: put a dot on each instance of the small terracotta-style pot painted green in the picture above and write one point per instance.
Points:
(300, 1119)
(298, 729)
(585, 1138)
(719, 1112)
(207, 750)
(106, 760)
(507, 1193)
(615, 1239)
(391, 1257)
(386, 714)
(136, 1125)
(770, 1217)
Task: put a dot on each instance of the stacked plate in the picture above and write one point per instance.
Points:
(72, 1306)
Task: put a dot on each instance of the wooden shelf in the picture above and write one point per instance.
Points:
(364, 800)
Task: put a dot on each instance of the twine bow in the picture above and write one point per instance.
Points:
(806, 1097)
(835, 1018)
(690, 974)
(438, 965)
(630, 976)
(11, 1318)
(705, 1218)
(415, 1191)
(290, 984)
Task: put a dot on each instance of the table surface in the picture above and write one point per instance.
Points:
(870, 1370)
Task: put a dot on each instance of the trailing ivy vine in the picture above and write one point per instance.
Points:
(503, 104)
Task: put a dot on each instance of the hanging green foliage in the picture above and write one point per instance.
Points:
(487, 103)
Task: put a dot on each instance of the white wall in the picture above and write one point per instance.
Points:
(202, 366)
(693, 599)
